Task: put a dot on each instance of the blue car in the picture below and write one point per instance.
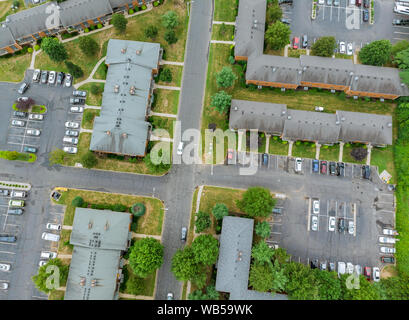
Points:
(315, 165)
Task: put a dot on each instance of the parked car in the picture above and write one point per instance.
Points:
(70, 140)
(18, 194)
(366, 171)
(366, 3)
(42, 263)
(314, 224)
(296, 42)
(387, 250)
(8, 238)
(60, 78)
(184, 234)
(24, 86)
(336, 3)
(323, 266)
(314, 264)
(265, 159)
(351, 227)
(324, 167)
(358, 269)
(18, 123)
(4, 285)
(331, 266)
(77, 101)
(286, 21)
(341, 267)
(341, 169)
(33, 132)
(304, 41)
(68, 80)
(341, 225)
(298, 164)
(79, 93)
(332, 168)
(44, 77)
(169, 296)
(52, 77)
(72, 125)
(20, 114)
(315, 165)
(387, 259)
(180, 148)
(400, 22)
(72, 150)
(230, 156)
(365, 15)
(331, 224)
(53, 226)
(36, 75)
(387, 240)
(342, 47)
(350, 50)
(390, 232)
(376, 274)
(15, 211)
(50, 236)
(367, 273)
(77, 109)
(16, 203)
(71, 133)
(36, 116)
(350, 268)
(278, 210)
(316, 206)
(56, 195)
(358, 2)
(48, 255)
(321, 1)
(329, 2)
(4, 192)
(4, 267)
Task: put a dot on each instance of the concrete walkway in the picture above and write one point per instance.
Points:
(158, 86)
(223, 42)
(227, 23)
(89, 80)
(92, 107)
(267, 142)
(286, 50)
(368, 158)
(317, 151)
(131, 296)
(341, 151)
(155, 138)
(33, 58)
(67, 227)
(141, 235)
(240, 144)
(91, 76)
(173, 63)
(166, 115)
(64, 256)
(85, 130)
(290, 148)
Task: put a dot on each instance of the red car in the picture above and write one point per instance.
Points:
(358, 2)
(324, 167)
(230, 154)
(367, 273)
(296, 42)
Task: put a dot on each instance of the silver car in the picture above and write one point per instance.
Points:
(4, 285)
(33, 132)
(18, 123)
(52, 77)
(72, 150)
(72, 125)
(314, 225)
(387, 250)
(36, 116)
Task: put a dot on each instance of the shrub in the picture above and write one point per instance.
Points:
(143, 7)
(75, 70)
(99, 26)
(36, 47)
(138, 209)
(119, 207)
(86, 30)
(170, 37)
(151, 31)
(131, 11)
(165, 75)
(30, 50)
(156, 3)
(89, 160)
(95, 89)
(202, 221)
(77, 201)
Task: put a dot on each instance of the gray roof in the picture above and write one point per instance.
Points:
(266, 117)
(99, 237)
(326, 128)
(119, 3)
(122, 128)
(6, 38)
(250, 26)
(76, 11)
(233, 264)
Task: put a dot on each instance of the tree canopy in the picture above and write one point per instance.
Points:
(278, 35)
(220, 210)
(89, 160)
(119, 22)
(261, 277)
(257, 202)
(170, 20)
(226, 77)
(47, 281)
(54, 49)
(146, 255)
(262, 253)
(221, 101)
(263, 229)
(402, 59)
(324, 47)
(205, 249)
(377, 53)
(88, 45)
(202, 221)
(185, 267)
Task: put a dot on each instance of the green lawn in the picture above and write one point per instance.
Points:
(64, 247)
(176, 75)
(347, 155)
(384, 159)
(163, 123)
(150, 223)
(330, 153)
(148, 282)
(296, 53)
(277, 146)
(225, 10)
(56, 295)
(219, 34)
(166, 101)
(343, 56)
(92, 113)
(101, 73)
(93, 99)
(304, 150)
(12, 68)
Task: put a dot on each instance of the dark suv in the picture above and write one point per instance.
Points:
(341, 169)
(20, 114)
(8, 238)
(332, 168)
(304, 41)
(341, 225)
(388, 259)
(366, 172)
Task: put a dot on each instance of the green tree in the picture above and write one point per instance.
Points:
(404, 76)
(165, 75)
(77, 201)
(257, 202)
(328, 284)
(226, 77)
(280, 279)
(394, 288)
(377, 53)
(75, 70)
(185, 267)
(324, 47)
(95, 89)
(146, 256)
(12, 155)
(197, 295)
(366, 291)
(281, 256)
(402, 59)
(220, 210)
(261, 277)
(205, 249)
(221, 101)
(151, 31)
(40, 279)
(262, 253)
(54, 49)
(88, 45)
(263, 229)
(170, 37)
(119, 22)
(170, 20)
(278, 35)
(202, 221)
(399, 46)
(56, 157)
(302, 284)
(212, 293)
(274, 13)
(135, 285)
(89, 160)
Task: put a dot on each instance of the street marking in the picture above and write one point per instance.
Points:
(401, 32)
(309, 214)
(354, 211)
(7, 252)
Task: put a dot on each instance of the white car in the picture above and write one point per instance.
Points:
(387, 240)
(342, 48)
(351, 227)
(169, 296)
(52, 77)
(331, 223)
(72, 125)
(48, 255)
(387, 250)
(77, 109)
(358, 269)
(42, 263)
(316, 206)
(18, 123)
(180, 149)
(321, 1)
(350, 51)
(4, 267)
(298, 164)
(52, 226)
(70, 140)
(36, 75)
(390, 232)
(4, 285)
(72, 150)
(350, 268)
(35, 116)
(314, 226)
(341, 267)
(50, 236)
(376, 274)
(68, 80)
(33, 132)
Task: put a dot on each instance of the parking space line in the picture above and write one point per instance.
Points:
(354, 211)
(309, 214)
(398, 32)
(7, 252)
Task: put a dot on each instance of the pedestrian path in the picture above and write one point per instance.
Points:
(67, 227)
(223, 42)
(92, 107)
(89, 80)
(174, 63)
(225, 22)
(96, 68)
(131, 296)
(166, 115)
(33, 59)
(155, 138)
(85, 130)
(141, 235)
(158, 86)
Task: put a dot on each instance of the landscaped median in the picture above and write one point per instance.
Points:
(18, 156)
(34, 109)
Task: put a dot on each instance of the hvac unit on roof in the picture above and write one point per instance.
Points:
(108, 133)
(123, 50)
(138, 52)
(116, 88)
(132, 90)
(235, 108)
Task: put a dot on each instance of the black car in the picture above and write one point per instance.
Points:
(77, 101)
(15, 211)
(20, 114)
(340, 169)
(304, 41)
(60, 78)
(56, 195)
(332, 169)
(341, 225)
(400, 22)
(365, 15)
(44, 77)
(285, 2)
(265, 159)
(314, 264)
(366, 172)
(388, 259)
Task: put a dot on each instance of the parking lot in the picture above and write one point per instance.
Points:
(345, 22)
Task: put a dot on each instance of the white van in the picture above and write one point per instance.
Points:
(70, 140)
(48, 255)
(298, 164)
(341, 267)
(50, 237)
(18, 194)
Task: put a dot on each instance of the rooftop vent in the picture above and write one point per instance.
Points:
(356, 78)
(138, 52)
(351, 74)
(106, 227)
(305, 68)
(132, 90)
(116, 88)
(82, 281)
(300, 72)
(283, 112)
(402, 84)
(274, 69)
(90, 222)
(389, 124)
(240, 256)
(123, 50)
(289, 117)
(255, 21)
(108, 133)
(337, 122)
(343, 119)
(235, 108)
(125, 135)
